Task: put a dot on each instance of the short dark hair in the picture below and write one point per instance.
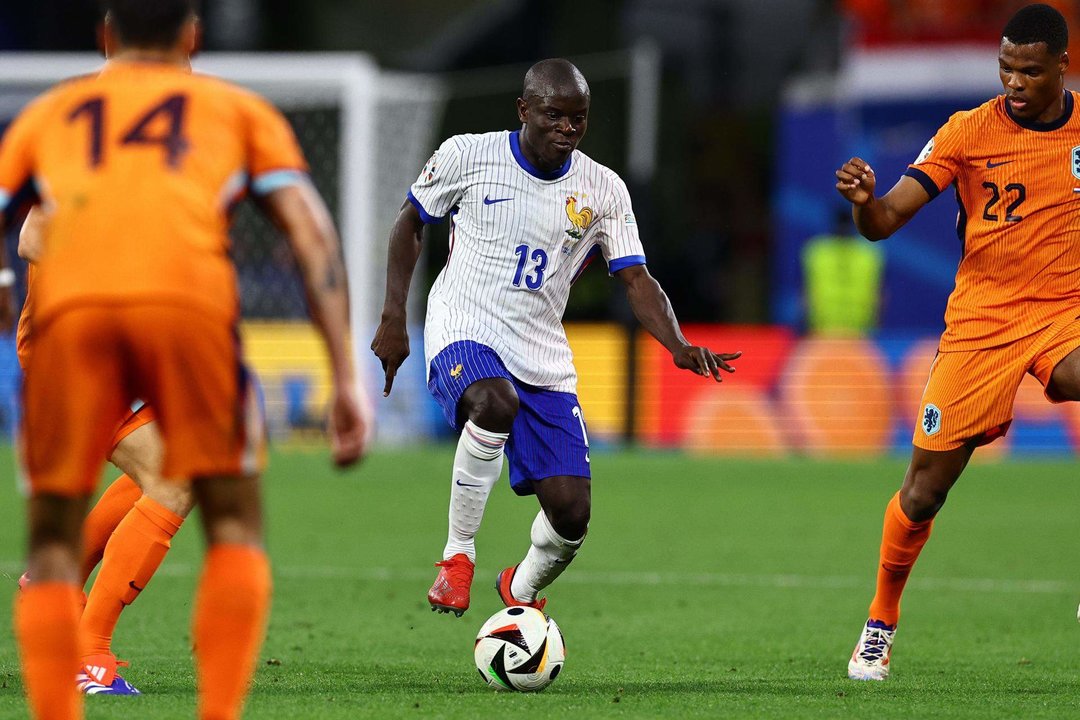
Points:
(1038, 23)
(149, 23)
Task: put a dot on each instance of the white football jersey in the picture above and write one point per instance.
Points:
(519, 238)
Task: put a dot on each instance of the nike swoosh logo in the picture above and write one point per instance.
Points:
(133, 586)
(991, 164)
(467, 484)
(489, 201)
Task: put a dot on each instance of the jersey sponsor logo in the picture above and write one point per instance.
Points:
(455, 372)
(931, 419)
(1075, 155)
(927, 149)
(990, 164)
(580, 220)
(492, 201)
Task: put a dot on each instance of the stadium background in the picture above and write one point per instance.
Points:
(755, 105)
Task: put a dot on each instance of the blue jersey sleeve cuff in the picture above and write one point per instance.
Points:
(624, 262)
(925, 180)
(275, 180)
(427, 217)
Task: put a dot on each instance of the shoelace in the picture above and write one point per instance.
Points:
(459, 572)
(875, 644)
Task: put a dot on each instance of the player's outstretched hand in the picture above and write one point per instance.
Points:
(349, 427)
(704, 361)
(856, 181)
(391, 346)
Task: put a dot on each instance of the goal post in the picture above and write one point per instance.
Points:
(365, 132)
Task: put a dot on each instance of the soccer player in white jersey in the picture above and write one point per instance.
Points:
(528, 213)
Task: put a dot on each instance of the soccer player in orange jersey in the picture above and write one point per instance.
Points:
(137, 168)
(1015, 165)
(130, 528)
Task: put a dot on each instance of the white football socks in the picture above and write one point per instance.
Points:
(547, 558)
(477, 465)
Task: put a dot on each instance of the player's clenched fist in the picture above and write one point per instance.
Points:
(856, 181)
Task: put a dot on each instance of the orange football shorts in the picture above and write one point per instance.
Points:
(969, 396)
(89, 363)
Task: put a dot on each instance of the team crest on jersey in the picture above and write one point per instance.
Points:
(929, 148)
(931, 419)
(1075, 156)
(579, 219)
(456, 371)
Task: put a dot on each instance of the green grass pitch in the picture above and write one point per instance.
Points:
(708, 588)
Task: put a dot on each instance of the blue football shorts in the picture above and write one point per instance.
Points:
(548, 437)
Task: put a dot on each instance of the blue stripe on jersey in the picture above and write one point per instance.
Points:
(925, 180)
(515, 148)
(427, 217)
(275, 180)
(624, 262)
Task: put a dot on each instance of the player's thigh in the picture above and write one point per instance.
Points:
(463, 377)
(74, 396)
(190, 372)
(969, 398)
(1057, 365)
(548, 440)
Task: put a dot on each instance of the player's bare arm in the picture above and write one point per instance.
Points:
(32, 234)
(878, 218)
(301, 214)
(391, 342)
(653, 310)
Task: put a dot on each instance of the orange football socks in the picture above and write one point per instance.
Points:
(231, 608)
(901, 542)
(133, 554)
(106, 514)
(46, 622)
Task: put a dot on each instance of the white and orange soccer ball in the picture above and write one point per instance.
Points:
(519, 648)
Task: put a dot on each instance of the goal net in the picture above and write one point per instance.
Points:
(365, 133)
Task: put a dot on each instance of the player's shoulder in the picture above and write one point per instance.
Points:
(60, 92)
(595, 171)
(228, 91)
(976, 119)
(467, 142)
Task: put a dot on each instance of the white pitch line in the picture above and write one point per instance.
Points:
(653, 579)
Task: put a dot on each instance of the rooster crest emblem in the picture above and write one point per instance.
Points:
(579, 219)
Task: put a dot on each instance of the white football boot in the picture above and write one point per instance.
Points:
(870, 661)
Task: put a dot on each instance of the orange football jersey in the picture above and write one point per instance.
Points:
(137, 169)
(1018, 187)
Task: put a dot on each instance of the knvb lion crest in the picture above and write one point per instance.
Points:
(1075, 156)
(931, 419)
(579, 219)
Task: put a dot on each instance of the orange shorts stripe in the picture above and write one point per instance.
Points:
(89, 363)
(969, 396)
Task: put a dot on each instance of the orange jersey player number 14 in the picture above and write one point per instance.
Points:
(162, 125)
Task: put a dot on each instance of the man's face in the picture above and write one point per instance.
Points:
(554, 125)
(1032, 78)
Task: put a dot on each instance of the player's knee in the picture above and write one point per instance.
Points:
(921, 498)
(571, 521)
(492, 406)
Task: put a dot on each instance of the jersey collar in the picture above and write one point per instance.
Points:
(1038, 126)
(515, 148)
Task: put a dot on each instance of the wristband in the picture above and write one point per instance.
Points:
(7, 277)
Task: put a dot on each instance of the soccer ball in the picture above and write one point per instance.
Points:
(519, 648)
